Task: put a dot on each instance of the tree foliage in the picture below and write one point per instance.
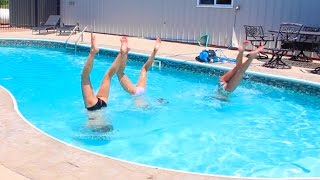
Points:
(4, 3)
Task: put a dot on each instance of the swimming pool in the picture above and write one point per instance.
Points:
(263, 131)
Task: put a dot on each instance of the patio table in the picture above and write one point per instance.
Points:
(302, 45)
(301, 32)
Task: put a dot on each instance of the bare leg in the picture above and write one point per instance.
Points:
(143, 73)
(123, 79)
(227, 76)
(87, 92)
(232, 84)
(103, 92)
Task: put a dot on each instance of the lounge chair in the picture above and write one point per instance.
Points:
(51, 24)
(68, 29)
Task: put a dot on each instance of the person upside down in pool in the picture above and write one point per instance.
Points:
(93, 102)
(230, 80)
(138, 89)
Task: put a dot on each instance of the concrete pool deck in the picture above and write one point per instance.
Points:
(26, 153)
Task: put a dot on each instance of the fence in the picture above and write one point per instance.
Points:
(24, 14)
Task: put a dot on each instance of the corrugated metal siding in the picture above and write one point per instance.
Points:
(271, 13)
(46, 8)
(20, 12)
(181, 20)
(23, 12)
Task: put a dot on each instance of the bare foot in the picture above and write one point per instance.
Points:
(124, 45)
(243, 46)
(157, 44)
(254, 53)
(94, 48)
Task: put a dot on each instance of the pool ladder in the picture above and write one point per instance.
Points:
(74, 46)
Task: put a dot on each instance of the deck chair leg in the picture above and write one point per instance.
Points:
(270, 63)
(282, 63)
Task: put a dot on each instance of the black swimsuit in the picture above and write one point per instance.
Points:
(99, 105)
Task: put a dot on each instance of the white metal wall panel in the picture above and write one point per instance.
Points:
(271, 13)
(181, 20)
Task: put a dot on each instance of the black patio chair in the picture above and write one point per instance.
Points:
(306, 42)
(309, 38)
(316, 49)
(285, 41)
(51, 24)
(257, 37)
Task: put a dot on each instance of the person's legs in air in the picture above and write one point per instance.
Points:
(87, 92)
(227, 76)
(125, 82)
(232, 84)
(103, 92)
(143, 73)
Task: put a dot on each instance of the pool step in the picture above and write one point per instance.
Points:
(157, 63)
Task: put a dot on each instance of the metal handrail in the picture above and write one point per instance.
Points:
(76, 42)
(73, 30)
(81, 36)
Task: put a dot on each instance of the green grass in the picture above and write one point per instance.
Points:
(4, 4)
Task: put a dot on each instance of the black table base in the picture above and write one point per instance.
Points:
(276, 60)
(302, 47)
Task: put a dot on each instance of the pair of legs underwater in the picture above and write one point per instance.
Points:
(230, 80)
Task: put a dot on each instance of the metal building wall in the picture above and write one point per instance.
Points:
(31, 12)
(271, 13)
(21, 12)
(181, 20)
(46, 8)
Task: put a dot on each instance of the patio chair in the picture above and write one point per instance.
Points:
(307, 42)
(287, 36)
(309, 38)
(51, 24)
(257, 37)
(68, 29)
(316, 49)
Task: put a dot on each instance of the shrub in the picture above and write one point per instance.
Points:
(4, 3)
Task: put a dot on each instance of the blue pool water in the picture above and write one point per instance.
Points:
(263, 131)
